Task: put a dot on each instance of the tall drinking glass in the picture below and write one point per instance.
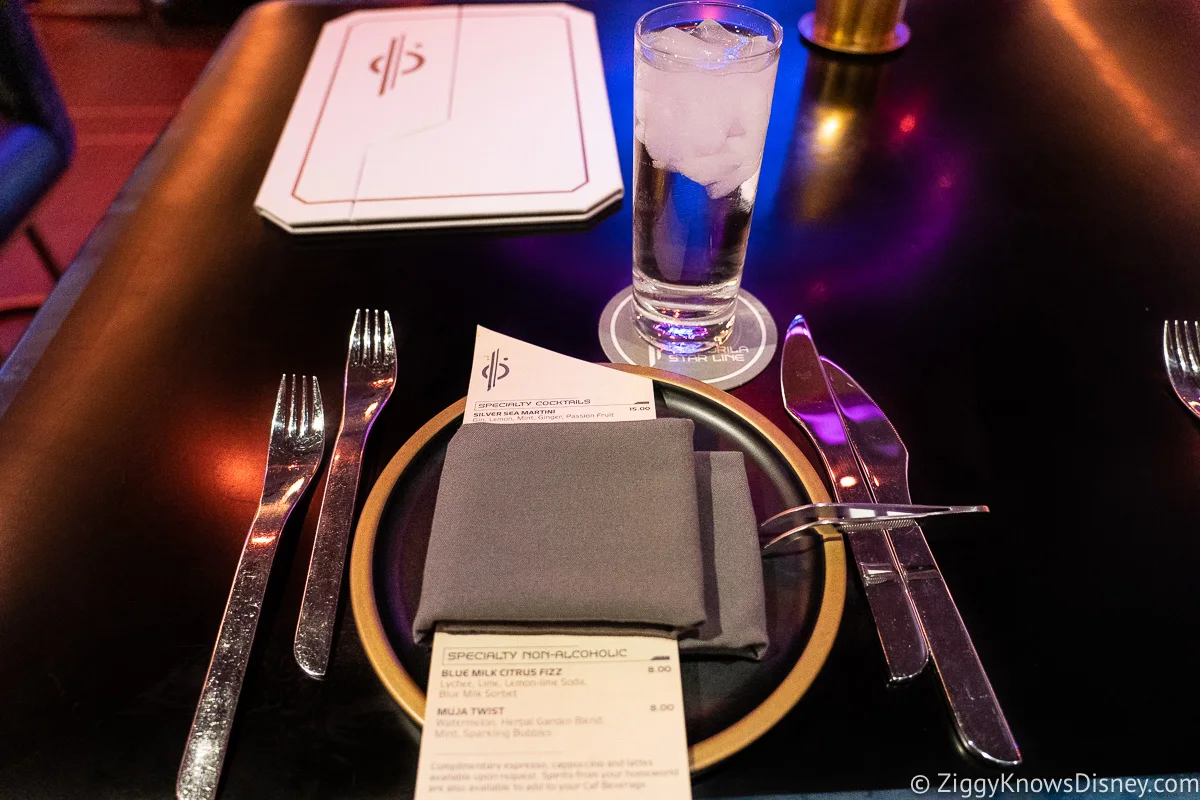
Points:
(703, 81)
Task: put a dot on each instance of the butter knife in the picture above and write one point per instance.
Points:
(978, 718)
(810, 402)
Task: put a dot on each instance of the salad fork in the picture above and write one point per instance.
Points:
(297, 445)
(1181, 351)
(370, 378)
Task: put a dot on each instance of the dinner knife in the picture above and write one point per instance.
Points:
(978, 718)
(810, 402)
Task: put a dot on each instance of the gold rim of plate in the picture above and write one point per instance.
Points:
(703, 754)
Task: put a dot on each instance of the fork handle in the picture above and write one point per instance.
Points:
(318, 610)
(205, 751)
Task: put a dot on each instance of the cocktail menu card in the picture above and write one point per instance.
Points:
(553, 715)
(514, 381)
(447, 116)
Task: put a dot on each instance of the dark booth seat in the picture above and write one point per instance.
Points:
(37, 140)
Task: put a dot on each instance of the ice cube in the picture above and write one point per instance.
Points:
(675, 42)
(705, 118)
(755, 47)
(709, 41)
(713, 32)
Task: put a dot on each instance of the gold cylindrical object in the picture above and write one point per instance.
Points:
(865, 27)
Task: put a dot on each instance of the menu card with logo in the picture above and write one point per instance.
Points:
(553, 716)
(514, 381)
(447, 116)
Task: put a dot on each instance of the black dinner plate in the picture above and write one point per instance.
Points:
(728, 701)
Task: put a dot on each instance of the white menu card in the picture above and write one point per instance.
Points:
(514, 381)
(447, 116)
(553, 716)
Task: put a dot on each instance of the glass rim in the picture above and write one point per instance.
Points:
(776, 28)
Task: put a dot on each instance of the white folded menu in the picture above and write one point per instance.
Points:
(447, 116)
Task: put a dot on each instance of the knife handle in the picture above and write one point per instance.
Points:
(978, 718)
(900, 633)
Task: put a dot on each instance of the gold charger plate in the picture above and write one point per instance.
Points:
(805, 593)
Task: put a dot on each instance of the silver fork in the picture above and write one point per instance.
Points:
(297, 444)
(787, 526)
(370, 377)
(1181, 351)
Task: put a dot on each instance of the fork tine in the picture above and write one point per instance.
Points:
(1193, 346)
(292, 404)
(376, 337)
(1177, 345)
(280, 399)
(1181, 346)
(305, 407)
(367, 344)
(364, 356)
(389, 339)
(355, 340)
(1186, 357)
(318, 409)
(364, 336)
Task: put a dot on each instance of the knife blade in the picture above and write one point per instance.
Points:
(978, 717)
(809, 401)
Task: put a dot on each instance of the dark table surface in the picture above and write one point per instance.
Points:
(989, 239)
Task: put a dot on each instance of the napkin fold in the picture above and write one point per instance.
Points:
(734, 600)
(589, 522)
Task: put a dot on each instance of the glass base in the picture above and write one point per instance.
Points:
(744, 355)
(680, 337)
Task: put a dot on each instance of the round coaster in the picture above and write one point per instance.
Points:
(745, 353)
(902, 35)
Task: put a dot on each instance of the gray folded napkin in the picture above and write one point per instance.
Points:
(734, 602)
(590, 522)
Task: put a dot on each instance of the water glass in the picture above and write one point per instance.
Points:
(704, 76)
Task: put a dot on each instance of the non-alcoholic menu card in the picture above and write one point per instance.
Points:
(554, 716)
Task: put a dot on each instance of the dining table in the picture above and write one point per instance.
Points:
(986, 229)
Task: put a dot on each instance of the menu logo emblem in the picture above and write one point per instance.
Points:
(495, 370)
(396, 62)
